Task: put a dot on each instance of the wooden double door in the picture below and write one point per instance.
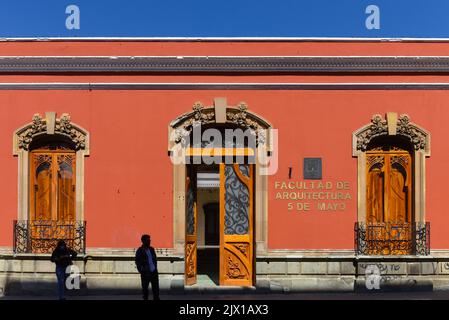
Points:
(389, 218)
(52, 198)
(236, 225)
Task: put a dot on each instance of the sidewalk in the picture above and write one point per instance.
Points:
(296, 296)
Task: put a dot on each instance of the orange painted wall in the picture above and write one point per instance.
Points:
(220, 48)
(128, 177)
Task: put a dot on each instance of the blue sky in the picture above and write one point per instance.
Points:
(225, 18)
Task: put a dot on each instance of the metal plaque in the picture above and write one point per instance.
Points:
(313, 168)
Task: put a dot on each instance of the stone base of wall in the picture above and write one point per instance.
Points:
(115, 273)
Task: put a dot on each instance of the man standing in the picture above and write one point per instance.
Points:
(62, 256)
(146, 262)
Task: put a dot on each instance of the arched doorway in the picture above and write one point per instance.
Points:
(391, 156)
(51, 155)
(223, 171)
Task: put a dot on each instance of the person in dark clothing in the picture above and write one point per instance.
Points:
(62, 256)
(146, 263)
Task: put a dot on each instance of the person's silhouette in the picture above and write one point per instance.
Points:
(62, 256)
(146, 263)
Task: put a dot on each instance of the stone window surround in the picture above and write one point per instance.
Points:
(220, 112)
(390, 126)
(49, 125)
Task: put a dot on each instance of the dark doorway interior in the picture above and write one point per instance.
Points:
(211, 224)
(209, 254)
(208, 263)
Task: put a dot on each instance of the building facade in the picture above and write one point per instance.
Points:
(337, 182)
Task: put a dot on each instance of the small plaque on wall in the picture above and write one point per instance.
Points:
(313, 168)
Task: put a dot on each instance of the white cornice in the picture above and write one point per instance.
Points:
(228, 39)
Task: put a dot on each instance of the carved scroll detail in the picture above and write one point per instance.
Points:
(190, 256)
(63, 126)
(242, 247)
(235, 269)
(379, 127)
(400, 159)
(372, 160)
(201, 115)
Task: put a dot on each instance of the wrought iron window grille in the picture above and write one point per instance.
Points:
(392, 238)
(41, 236)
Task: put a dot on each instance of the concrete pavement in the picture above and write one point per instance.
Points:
(442, 295)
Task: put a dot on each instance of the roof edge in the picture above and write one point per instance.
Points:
(219, 39)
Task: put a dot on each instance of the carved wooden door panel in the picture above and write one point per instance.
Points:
(42, 191)
(65, 186)
(52, 199)
(236, 224)
(389, 202)
(191, 227)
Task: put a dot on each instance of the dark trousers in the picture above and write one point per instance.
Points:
(146, 278)
(61, 276)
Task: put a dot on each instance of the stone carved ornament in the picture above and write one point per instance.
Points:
(238, 116)
(63, 126)
(200, 117)
(379, 127)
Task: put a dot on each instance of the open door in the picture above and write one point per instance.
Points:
(236, 224)
(191, 228)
